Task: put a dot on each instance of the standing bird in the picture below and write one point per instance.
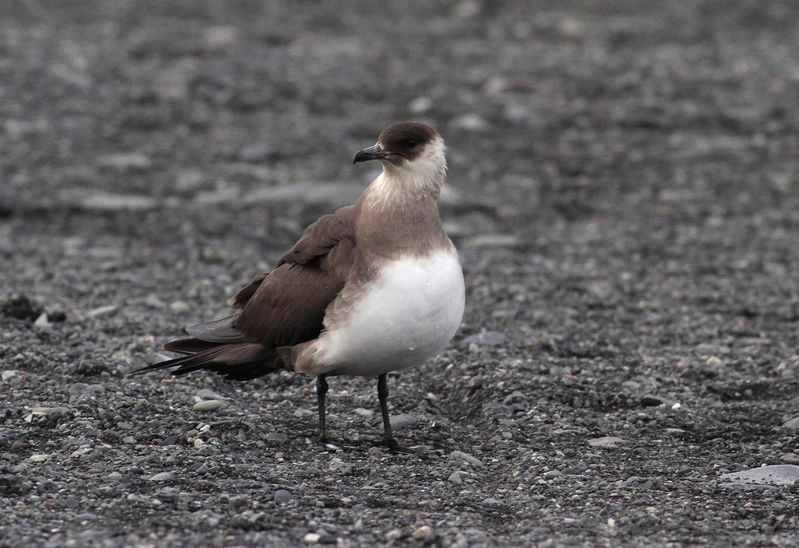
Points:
(374, 287)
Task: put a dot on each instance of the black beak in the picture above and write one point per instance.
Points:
(372, 153)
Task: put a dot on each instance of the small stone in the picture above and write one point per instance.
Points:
(52, 413)
(494, 240)
(360, 411)
(312, 538)
(650, 400)
(125, 161)
(19, 445)
(469, 122)
(606, 441)
(83, 389)
(105, 201)
(713, 361)
(788, 458)
(486, 338)
(42, 320)
(207, 394)
(420, 105)
(303, 413)
(208, 405)
(40, 457)
(190, 179)
(129, 440)
(179, 306)
(394, 534)
(114, 476)
(455, 478)
(9, 374)
(282, 496)
(402, 420)
(220, 36)
(763, 477)
(472, 460)
(792, 424)
(491, 501)
(706, 349)
(162, 476)
(422, 533)
(277, 437)
(101, 311)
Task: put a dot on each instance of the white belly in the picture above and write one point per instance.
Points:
(407, 314)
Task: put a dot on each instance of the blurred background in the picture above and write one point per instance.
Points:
(619, 147)
(623, 192)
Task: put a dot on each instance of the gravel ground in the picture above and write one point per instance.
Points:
(624, 195)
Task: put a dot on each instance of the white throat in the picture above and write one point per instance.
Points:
(425, 173)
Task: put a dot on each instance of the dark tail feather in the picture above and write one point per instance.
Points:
(189, 345)
(239, 361)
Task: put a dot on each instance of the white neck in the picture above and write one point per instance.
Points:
(425, 174)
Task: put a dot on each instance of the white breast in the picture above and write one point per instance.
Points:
(405, 315)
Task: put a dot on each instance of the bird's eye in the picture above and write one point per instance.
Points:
(411, 142)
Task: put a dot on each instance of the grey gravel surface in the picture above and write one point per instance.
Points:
(624, 195)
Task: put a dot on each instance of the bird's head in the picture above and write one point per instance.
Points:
(410, 148)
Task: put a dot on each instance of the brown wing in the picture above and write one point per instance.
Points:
(288, 305)
(316, 242)
(282, 308)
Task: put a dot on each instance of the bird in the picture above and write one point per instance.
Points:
(375, 287)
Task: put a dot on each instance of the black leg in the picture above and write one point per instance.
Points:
(382, 395)
(321, 391)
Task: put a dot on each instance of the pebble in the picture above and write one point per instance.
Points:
(486, 338)
(282, 496)
(114, 476)
(105, 201)
(470, 459)
(101, 311)
(422, 533)
(125, 161)
(162, 476)
(360, 411)
(469, 122)
(42, 320)
(491, 501)
(208, 394)
(220, 36)
(792, 424)
(53, 413)
(312, 538)
(208, 405)
(9, 374)
(394, 534)
(650, 400)
(278, 437)
(420, 104)
(456, 478)
(83, 389)
(762, 477)
(306, 193)
(494, 240)
(606, 441)
(402, 420)
(39, 457)
(303, 413)
(179, 306)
